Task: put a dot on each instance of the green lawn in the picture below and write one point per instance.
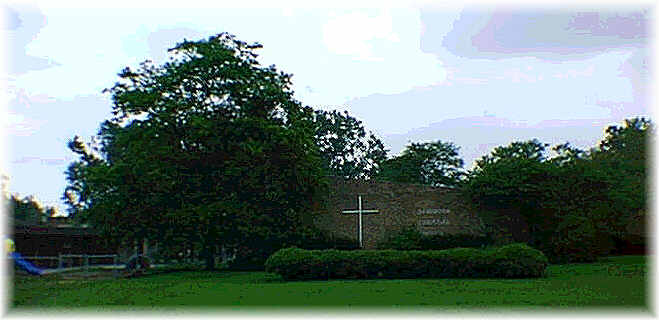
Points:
(614, 282)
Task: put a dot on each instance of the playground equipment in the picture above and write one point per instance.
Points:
(62, 262)
(25, 265)
(10, 248)
(137, 265)
(80, 265)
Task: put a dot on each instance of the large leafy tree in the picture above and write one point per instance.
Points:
(433, 163)
(508, 176)
(622, 156)
(620, 162)
(591, 197)
(210, 145)
(538, 200)
(608, 182)
(346, 149)
(507, 183)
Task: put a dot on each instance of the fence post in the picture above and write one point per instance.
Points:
(59, 261)
(85, 262)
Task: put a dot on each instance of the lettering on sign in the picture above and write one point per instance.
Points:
(433, 211)
(432, 232)
(433, 222)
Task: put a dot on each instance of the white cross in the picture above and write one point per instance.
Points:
(360, 211)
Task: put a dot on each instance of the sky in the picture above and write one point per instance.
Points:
(477, 75)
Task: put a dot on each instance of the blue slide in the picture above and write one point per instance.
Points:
(25, 265)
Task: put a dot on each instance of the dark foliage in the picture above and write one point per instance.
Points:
(432, 163)
(579, 204)
(27, 209)
(254, 256)
(210, 147)
(347, 151)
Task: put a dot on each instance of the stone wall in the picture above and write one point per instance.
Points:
(430, 210)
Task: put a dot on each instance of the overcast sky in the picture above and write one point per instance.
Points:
(473, 75)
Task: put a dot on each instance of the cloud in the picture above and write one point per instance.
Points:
(37, 138)
(42, 161)
(544, 35)
(361, 53)
(631, 25)
(10, 19)
(636, 70)
(565, 45)
(22, 25)
(161, 40)
(18, 125)
(519, 89)
(38, 117)
(353, 33)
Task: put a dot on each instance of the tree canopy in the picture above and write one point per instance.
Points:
(208, 145)
(598, 194)
(433, 163)
(346, 149)
(26, 209)
(509, 175)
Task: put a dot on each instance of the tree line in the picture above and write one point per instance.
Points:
(211, 148)
(578, 204)
(25, 209)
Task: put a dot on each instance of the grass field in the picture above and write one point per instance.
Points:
(612, 282)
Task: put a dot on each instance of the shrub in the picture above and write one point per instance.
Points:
(518, 260)
(512, 261)
(575, 240)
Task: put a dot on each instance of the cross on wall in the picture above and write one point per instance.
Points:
(360, 211)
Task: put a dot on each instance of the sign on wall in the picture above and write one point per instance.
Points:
(433, 222)
(424, 211)
(432, 232)
(433, 219)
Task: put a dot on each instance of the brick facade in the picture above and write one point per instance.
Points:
(431, 210)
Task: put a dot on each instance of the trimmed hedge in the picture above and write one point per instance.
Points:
(511, 261)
